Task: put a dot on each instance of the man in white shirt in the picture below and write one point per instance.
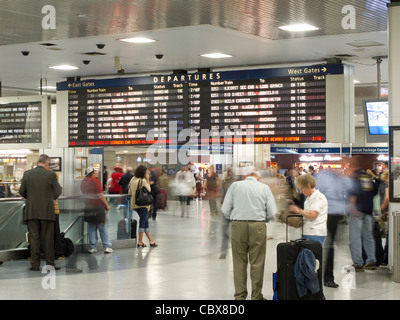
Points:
(249, 204)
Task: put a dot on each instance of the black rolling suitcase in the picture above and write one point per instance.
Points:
(123, 230)
(287, 253)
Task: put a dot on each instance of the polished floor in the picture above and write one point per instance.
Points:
(187, 265)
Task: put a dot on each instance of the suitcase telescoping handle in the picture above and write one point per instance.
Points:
(287, 225)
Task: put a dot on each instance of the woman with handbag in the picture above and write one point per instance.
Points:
(140, 191)
(95, 211)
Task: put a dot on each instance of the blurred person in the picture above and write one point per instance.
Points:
(295, 195)
(14, 188)
(124, 183)
(113, 185)
(153, 179)
(315, 212)
(105, 178)
(360, 208)
(227, 180)
(199, 185)
(211, 187)
(96, 207)
(333, 187)
(40, 188)
(249, 204)
(141, 175)
(4, 189)
(125, 179)
(311, 170)
(115, 188)
(384, 214)
(185, 184)
(382, 184)
(163, 190)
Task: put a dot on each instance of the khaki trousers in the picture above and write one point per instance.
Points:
(248, 241)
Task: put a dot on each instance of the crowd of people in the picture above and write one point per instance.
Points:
(244, 200)
(324, 197)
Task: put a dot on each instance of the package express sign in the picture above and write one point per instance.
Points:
(20, 122)
(281, 105)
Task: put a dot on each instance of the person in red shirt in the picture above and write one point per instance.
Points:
(95, 211)
(115, 188)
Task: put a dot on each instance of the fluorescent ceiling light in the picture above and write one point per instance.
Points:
(20, 151)
(47, 87)
(138, 40)
(299, 27)
(356, 81)
(216, 55)
(64, 67)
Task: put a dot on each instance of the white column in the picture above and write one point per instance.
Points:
(394, 120)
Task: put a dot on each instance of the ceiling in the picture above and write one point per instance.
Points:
(184, 29)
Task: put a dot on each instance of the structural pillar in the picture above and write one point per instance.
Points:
(394, 120)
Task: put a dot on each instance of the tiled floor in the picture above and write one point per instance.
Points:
(185, 266)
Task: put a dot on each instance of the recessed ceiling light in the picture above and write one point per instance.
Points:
(299, 27)
(216, 55)
(138, 40)
(64, 67)
(365, 44)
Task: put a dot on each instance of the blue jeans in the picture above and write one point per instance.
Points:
(320, 239)
(143, 219)
(361, 235)
(92, 233)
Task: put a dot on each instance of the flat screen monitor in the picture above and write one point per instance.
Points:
(376, 115)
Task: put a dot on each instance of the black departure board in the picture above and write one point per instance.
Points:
(21, 122)
(123, 115)
(282, 105)
(287, 109)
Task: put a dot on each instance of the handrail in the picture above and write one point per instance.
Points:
(81, 215)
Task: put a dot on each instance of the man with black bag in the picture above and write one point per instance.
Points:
(95, 211)
(40, 188)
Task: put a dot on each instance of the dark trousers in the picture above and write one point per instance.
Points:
(329, 245)
(154, 194)
(41, 232)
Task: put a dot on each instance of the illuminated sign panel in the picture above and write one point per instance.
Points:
(21, 122)
(280, 105)
(289, 109)
(123, 115)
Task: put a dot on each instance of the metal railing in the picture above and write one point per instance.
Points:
(13, 230)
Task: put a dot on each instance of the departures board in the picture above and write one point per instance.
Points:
(21, 122)
(282, 105)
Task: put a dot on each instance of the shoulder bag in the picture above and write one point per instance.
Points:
(142, 196)
(95, 215)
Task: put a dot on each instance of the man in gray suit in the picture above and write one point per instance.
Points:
(40, 188)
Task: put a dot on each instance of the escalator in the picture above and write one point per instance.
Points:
(12, 229)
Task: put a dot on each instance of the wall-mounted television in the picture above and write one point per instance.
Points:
(376, 116)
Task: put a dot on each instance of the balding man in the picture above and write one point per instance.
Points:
(40, 188)
(249, 204)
